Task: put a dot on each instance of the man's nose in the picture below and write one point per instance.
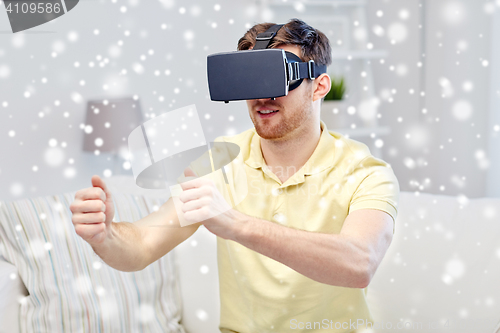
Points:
(264, 100)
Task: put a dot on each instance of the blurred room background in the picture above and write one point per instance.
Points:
(422, 84)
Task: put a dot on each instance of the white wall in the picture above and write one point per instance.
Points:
(394, 78)
(493, 180)
(442, 146)
(466, 175)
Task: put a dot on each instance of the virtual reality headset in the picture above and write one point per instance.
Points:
(258, 73)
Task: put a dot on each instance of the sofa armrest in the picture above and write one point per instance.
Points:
(12, 290)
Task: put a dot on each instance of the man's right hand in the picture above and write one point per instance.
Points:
(93, 211)
(126, 246)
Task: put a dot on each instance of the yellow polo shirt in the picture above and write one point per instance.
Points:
(259, 294)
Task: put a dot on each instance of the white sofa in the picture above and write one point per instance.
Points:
(441, 273)
(199, 291)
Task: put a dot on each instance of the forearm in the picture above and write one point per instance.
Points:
(327, 258)
(123, 249)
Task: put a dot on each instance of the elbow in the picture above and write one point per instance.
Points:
(143, 265)
(128, 268)
(357, 278)
(135, 268)
(131, 266)
(364, 280)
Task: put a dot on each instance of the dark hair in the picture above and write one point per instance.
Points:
(313, 43)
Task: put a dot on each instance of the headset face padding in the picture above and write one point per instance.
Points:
(292, 57)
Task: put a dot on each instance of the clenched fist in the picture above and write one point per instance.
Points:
(93, 212)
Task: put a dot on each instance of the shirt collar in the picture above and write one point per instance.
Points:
(321, 159)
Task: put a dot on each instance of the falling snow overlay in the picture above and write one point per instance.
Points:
(423, 93)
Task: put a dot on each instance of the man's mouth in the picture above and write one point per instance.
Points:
(267, 111)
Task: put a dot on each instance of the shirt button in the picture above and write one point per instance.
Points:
(277, 191)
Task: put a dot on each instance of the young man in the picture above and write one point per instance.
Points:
(299, 251)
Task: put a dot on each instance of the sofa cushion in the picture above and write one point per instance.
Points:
(12, 290)
(70, 288)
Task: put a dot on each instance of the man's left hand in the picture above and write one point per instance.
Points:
(203, 202)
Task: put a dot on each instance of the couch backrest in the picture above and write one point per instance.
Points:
(70, 288)
(443, 266)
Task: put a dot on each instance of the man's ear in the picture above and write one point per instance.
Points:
(322, 85)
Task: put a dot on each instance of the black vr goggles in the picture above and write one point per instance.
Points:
(258, 73)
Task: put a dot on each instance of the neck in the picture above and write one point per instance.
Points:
(286, 156)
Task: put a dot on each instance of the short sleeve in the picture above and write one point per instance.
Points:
(378, 188)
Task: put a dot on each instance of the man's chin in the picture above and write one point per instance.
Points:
(266, 131)
(267, 134)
